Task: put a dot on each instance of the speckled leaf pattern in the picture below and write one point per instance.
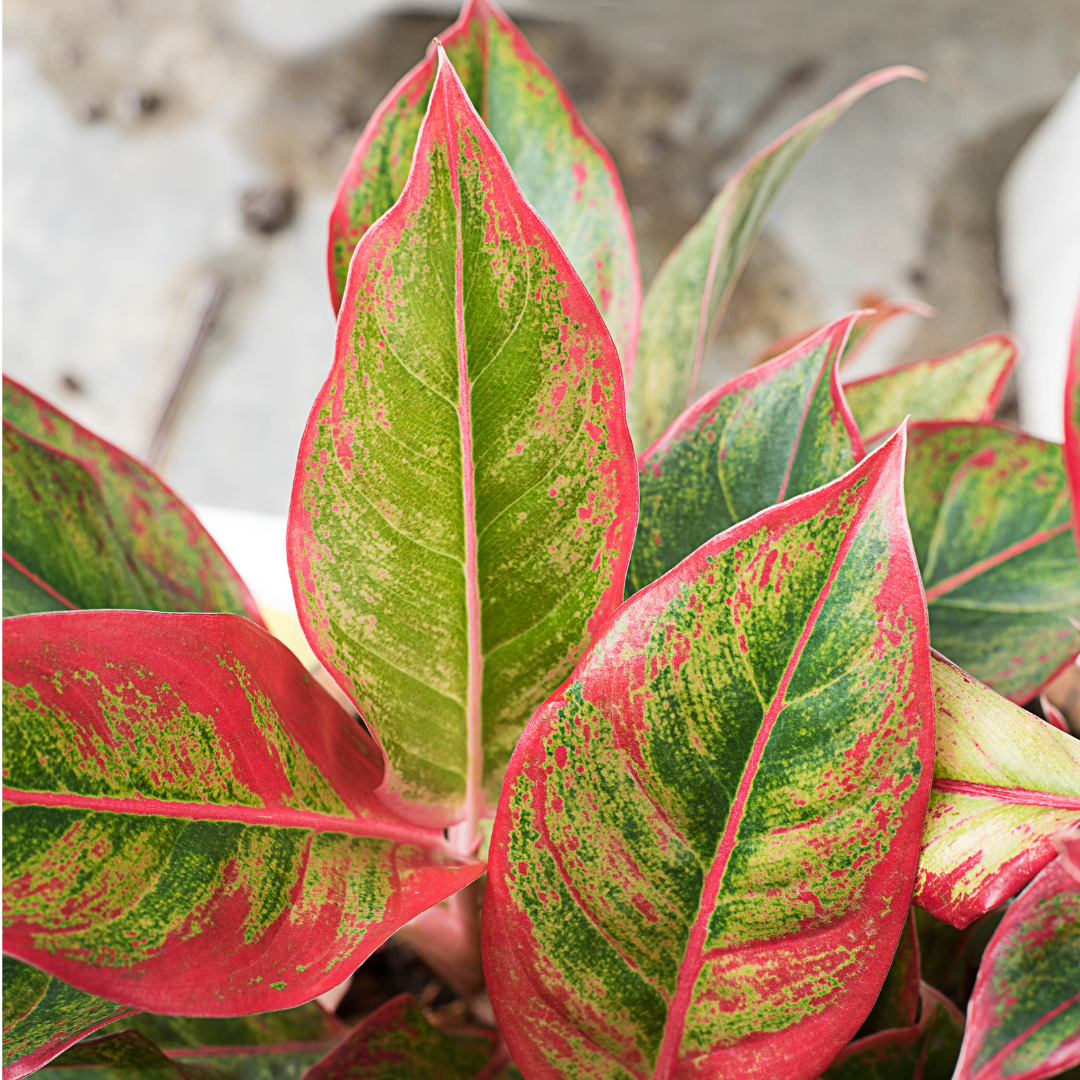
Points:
(564, 172)
(43, 1016)
(964, 385)
(1004, 783)
(771, 433)
(708, 835)
(897, 1005)
(1072, 421)
(1024, 1013)
(190, 821)
(989, 513)
(687, 298)
(96, 498)
(396, 1042)
(114, 1057)
(466, 491)
(924, 1051)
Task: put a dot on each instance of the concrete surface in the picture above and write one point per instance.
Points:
(133, 128)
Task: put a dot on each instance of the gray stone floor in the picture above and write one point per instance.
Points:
(133, 128)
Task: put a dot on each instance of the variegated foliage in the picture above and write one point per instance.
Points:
(774, 432)
(466, 494)
(989, 510)
(964, 385)
(87, 526)
(1004, 783)
(708, 835)
(564, 172)
(1024, 1014)
(687, 298)
(190, 821)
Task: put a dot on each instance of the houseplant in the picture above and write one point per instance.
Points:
(682, 707)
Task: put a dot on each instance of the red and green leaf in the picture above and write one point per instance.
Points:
(190, 820)
(897, 1005)
(924, 1051)
(112, 1057)
(396, 1042)
(964, 385)
(1004, 783)
(466, 491)
(866, 325)
(1024, 1013)
(687, 298)
(43, 1016)
(1072, 421)
(708, 835)
(989, 513)
(564, 172)
(772, 433)
(87, 526)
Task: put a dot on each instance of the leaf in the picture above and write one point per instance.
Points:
(964, 385)
(279, 1045)
(396, 1042)
(687, 298)
(25, 593)
(897, 1005)
(43, 1016)
(1024, 1014)
(949, 957)
(564, 172)
(1072, 422)
(707, 836)
(924, 1051)
(1004, 783)
(190, 820)
(177, 565)
(989, 513)
(466, 492)
(866, 324)
(769, 434)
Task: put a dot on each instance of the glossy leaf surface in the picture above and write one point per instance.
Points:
(1024, 1014)
(190, 822)
(964, 385)
(924, 1051)
(688, 296)
(707, 837)
(100, 505)
(771, 433)
(1004, 783)
(466, 491)
(396, 1042)
(989, 513)
(43, 1016)
(897, 1005)
(564, 172)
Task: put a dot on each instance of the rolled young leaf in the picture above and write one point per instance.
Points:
(769, 434)
(1024, 1013)
(43, 1016)
(564, 172)
(688, 296)
(924, 1051)
(466, 492)
(707, 837)
(178, 565)
(964, 385)
(989, 513)
(190, 821)
(1004, 783)
(397, 1041)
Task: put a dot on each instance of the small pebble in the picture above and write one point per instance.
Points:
(268, 208)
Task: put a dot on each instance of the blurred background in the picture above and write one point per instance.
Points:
(170, 167)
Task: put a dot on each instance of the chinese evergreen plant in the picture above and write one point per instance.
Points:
(689, 711)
